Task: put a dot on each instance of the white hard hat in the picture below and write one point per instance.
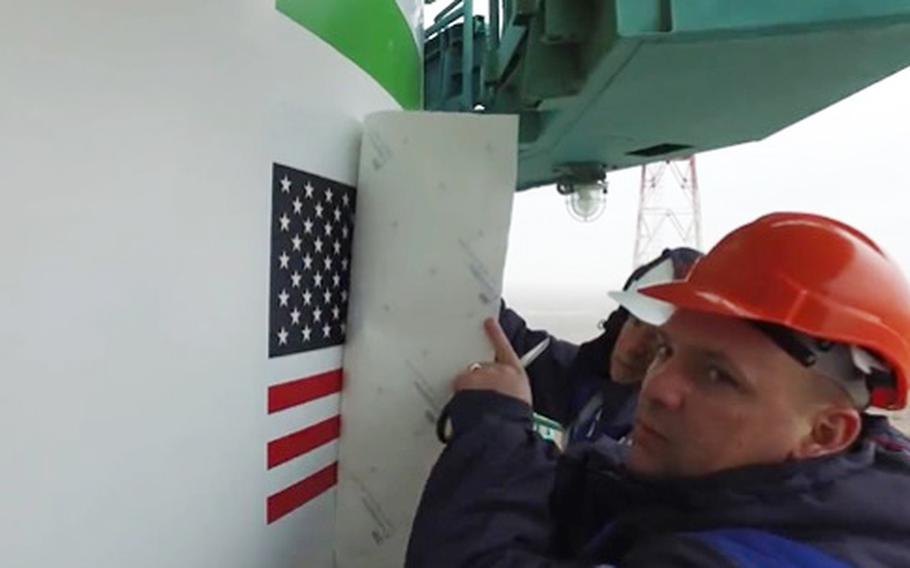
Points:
(644, 308)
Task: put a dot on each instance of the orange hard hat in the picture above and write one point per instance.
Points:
(810, 274)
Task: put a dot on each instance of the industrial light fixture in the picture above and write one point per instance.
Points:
(585, 202)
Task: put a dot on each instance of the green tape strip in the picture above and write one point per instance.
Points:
(548, 429)
(374, 35)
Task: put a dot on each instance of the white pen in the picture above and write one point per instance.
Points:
(534, 353)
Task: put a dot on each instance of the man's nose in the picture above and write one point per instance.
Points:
(666, 386)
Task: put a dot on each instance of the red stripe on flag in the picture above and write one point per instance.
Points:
(289, 447)
(295, 393)
(297, 495)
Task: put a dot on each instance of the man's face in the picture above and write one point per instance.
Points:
(633, 351)
(718, 395)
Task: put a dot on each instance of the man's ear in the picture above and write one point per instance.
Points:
(833, 430)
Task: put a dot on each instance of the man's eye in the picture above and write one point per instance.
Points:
(720, 377)
(662, 352)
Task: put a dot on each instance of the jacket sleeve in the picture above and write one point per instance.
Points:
(553, 385)
(486, 503)
(676, 551)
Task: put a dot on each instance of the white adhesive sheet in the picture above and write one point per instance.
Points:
(433, 208)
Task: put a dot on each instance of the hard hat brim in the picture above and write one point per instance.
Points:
(646, 309)
(687, 296)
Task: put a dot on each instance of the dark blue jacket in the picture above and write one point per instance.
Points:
(501, 497)
(566, 377)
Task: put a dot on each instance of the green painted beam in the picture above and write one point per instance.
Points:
(662, 79)
(600, 85)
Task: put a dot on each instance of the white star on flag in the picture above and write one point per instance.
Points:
(285, 184)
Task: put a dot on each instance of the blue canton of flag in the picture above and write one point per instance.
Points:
(312, 228)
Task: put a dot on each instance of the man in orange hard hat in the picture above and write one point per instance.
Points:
(752, 445)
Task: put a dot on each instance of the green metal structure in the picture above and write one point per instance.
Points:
(607, 84)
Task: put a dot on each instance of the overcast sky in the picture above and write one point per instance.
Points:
(850, 161)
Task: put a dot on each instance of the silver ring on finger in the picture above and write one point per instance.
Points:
(474, 366)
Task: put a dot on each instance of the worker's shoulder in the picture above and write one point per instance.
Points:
(726, 548)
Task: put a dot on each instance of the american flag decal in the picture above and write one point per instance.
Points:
(312, 226)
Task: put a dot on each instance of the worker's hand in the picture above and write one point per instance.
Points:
(505, 375)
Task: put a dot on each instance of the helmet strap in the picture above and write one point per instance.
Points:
(835, 361)
(786, 340)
